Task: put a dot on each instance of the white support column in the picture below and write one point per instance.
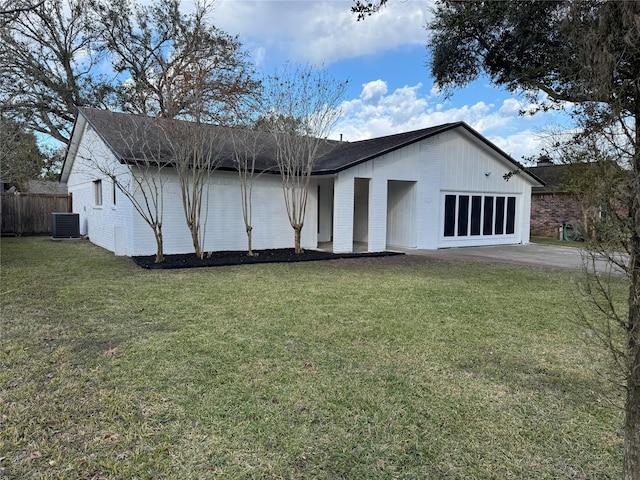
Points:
(343, 193)
(525, 217)
(378, 215)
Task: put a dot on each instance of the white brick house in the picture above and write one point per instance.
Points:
(438, 187)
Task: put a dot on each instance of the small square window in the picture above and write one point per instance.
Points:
(97, 192)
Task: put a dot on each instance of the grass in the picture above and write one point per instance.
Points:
(381, 368)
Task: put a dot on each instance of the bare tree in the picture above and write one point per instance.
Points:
(248, 145)
(302, 107)
(52, 53)
(10, 9)
(196, 153)
(47, 65)
(180, 68)
(157, 48)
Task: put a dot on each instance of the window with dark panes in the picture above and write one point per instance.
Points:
(476, 210)
(499, 227)
(487, 224)
(475, 215)
(449, 215)
(511, 215)
(463, 215)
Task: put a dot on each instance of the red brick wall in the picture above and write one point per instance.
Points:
(549, 210)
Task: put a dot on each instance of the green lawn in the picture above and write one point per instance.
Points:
(383, 368)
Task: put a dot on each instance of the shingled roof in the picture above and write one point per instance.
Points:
(119, 130)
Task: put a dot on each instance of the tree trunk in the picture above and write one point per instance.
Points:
(632, 422)
(632, 405)
(631, 467)
(196, 243)
(249, 247)
(159, 245)
(297, 231)
(193, 229)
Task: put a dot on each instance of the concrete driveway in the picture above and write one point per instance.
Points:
(534, 254)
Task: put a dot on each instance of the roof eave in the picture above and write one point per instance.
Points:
(72, 147)
(386, 151)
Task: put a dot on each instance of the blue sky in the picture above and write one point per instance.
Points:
(385, 59)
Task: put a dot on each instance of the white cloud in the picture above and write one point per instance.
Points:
(522, 144)
(404, 110)
(323, 32)
(510, 105)
(373, 91)
(320, 32)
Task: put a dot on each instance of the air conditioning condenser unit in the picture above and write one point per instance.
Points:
(65, 225)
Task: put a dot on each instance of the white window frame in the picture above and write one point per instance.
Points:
(97, 193)
(481, 235)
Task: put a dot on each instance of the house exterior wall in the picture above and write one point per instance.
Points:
(361, 210)
(225, 228)
(324, 198)
(452, 163)
(369, 201)
(401, 214)
(470, 168)
(98, 222)
(120, 228)
(550, 210)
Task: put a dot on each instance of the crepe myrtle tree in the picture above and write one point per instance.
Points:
(582, 56)
(248, 145)
(302, 105)
(139, 174)
(196, 150)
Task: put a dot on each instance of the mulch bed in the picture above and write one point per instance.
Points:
(220, 259)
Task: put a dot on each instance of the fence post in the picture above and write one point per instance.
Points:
(18, 226)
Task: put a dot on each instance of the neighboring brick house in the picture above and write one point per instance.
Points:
(552, 205)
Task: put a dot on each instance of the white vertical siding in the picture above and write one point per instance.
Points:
(401, 214)
(325, 209)
(377, 215)
(452, 162)
(469, 167)
(361, 210)
(343, 212)
(225, 228)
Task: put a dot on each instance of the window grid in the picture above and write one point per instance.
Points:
(479, 215)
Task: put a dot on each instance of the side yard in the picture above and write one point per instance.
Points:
(396, 367)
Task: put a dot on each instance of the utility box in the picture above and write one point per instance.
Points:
(65, 225)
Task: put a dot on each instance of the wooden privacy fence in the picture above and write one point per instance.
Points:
(30, 213)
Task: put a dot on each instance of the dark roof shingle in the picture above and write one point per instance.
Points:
(122, 133)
